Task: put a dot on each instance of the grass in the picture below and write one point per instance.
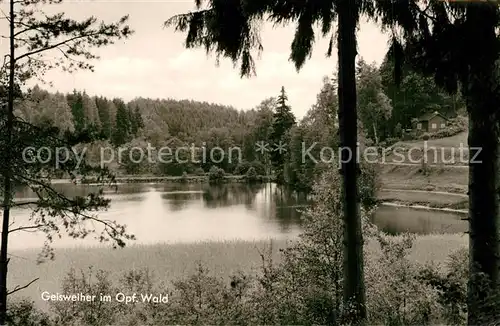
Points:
(450, 150)
(453, 141)
(423, 198)
(445, 179)
(169, 262)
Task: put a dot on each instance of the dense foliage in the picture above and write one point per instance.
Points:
(201, 135)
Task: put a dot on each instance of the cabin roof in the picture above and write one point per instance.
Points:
(430, 115)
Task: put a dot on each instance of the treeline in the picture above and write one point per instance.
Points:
(385, 107)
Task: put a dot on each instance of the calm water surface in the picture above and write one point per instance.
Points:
(173, 212)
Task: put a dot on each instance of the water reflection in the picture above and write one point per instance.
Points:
(225, 195)
(175, 212)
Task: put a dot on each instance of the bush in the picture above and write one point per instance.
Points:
(259, 167)
(425, 136)
(251, 175)
(199, 171)
(451, 286)
(24, 313)
(86, 313)
(398, 130)
(369, 184)
(216, 175)
(391, 141)
(241, 168)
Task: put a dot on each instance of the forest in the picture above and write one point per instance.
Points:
(386, 110)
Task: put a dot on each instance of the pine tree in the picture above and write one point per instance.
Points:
(136, 122)
(104, 115)
(138, 118)
(283, 121)
(33, 33)
(75, 101)
(90, 111)
(122, 130)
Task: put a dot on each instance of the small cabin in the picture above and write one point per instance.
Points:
(431, 122)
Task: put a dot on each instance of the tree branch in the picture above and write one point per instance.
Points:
(27, 29)
(19, 288)
(26, 228)
(53, 46)
(107, 223)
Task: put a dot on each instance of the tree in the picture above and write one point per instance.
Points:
(30, 37)
(229, 28)
(122, 130)
(103, 108)
(90, 112)
(315, 132)
(374, 106)
(136, 122)
(457, 43)
(39, 106)
(414, 95)
(75, 101)
(263, 128)
(283, 121)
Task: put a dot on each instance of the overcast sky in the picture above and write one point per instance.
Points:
(153, 62)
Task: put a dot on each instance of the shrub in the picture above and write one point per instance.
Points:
(398, 130)
(391, 141)
(241, 168)
(259, 167)
(251, 175)
(24, 313)
(451, 286)
(369, 184)
(199, 171)
(425, 136)
(395, 296)
(87, 313)
(216, 175)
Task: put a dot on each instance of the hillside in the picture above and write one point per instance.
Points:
(442, 182)
(444, 151)
(453, 141)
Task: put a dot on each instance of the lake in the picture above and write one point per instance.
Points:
(188, 213)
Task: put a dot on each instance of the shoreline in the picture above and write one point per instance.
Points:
(160, 179)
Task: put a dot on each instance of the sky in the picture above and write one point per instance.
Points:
(154, 63)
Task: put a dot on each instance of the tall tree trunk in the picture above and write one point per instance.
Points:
(354, 290)
(483, 212)
(482, 96)
(7, 174)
